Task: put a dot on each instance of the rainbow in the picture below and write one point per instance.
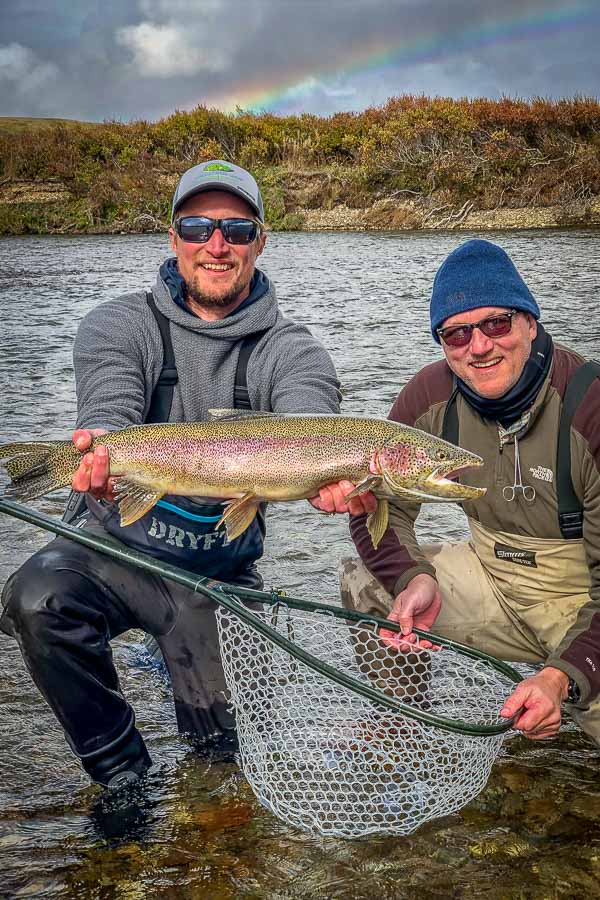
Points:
(423, 48)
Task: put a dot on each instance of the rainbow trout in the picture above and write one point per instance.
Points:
(253, 457)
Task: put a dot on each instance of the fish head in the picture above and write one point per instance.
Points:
(420, 466)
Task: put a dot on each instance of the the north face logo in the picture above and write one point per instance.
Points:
(542, 473)
(217, 167)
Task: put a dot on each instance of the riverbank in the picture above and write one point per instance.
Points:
(414, 163)
(49, 207)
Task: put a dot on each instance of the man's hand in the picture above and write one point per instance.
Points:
(417, 606)
(92, 474)
(536, 703)
(330, 499)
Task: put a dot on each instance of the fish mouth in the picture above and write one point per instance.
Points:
(443, 480)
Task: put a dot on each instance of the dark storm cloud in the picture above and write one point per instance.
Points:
(144, 58)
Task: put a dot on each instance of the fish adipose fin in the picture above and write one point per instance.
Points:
(367, 484)
(239, 515)
(38, 467)
(134, 500)
(377, 522)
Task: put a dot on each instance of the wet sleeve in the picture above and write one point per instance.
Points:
(579, 653)
(109, 363)
(398, 558)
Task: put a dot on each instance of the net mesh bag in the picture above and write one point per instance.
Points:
(324, 758)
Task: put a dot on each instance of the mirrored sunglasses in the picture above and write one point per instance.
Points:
(198, 229)
(493, 327)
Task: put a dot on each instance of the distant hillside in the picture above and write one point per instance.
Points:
(415, 162)
(15, 125)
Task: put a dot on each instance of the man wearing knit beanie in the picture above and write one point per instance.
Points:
(526, 586)
(475, 275)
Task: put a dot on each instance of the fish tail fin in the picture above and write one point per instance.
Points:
(38, 467)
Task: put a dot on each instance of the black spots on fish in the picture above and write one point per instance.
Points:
(403, 459)
(37, 468)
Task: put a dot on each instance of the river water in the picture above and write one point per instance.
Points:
(532, 833)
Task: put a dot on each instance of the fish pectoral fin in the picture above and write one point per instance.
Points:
(134, 499)
(367, 484)
(232, 414)
(239, 515)
(377, 522)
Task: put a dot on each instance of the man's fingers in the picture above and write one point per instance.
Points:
(92, 474)
(100, 469)
(82, 439)
(81, 478)
(325, 500)
(365, 502)
(356, 506)
(397, 640)
(332, 499)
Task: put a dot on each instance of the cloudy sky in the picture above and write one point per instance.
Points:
(142, 59)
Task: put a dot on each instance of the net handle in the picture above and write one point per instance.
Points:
(225, 596)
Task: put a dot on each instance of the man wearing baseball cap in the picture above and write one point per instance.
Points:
(526, 586)
(208, 335)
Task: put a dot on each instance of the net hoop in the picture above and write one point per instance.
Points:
(227, 596)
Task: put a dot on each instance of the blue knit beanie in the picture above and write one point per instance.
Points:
(478, 273)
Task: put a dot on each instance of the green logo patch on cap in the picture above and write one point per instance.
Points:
(217, 167)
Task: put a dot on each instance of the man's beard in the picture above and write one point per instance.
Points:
(215, 301)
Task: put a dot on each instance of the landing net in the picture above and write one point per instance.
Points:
(339, 733)
(324, 758)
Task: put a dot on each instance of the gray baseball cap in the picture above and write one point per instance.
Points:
(218, 175)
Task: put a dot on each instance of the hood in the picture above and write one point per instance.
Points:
(257, 312)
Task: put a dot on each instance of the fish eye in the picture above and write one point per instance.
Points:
(441, 455)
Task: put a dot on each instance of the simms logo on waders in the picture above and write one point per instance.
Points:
(511, 554)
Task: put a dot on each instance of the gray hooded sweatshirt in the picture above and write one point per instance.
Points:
(118, 357)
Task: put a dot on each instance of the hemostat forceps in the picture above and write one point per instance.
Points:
(510, 491)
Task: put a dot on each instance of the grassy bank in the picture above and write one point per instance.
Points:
(413, 163)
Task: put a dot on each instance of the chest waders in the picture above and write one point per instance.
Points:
(570, 510)
(78, 680)
(539, 583)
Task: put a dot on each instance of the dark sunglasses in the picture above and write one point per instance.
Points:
(198, 229)
(492, 326)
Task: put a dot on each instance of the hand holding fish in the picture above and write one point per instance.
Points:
(417, 606)
(332, 499)
(92, 476)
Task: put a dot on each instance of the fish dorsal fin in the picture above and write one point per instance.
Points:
(134, 499)
(214, 414)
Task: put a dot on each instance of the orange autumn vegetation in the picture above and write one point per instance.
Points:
(494, 153)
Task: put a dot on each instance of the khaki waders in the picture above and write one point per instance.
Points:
(507, 595)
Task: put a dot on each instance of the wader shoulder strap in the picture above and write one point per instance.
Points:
(570, 512)
(160, 404)
(241, 398)
(162, 397)
(450, 424)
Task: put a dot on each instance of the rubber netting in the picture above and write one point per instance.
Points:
(325, 759)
